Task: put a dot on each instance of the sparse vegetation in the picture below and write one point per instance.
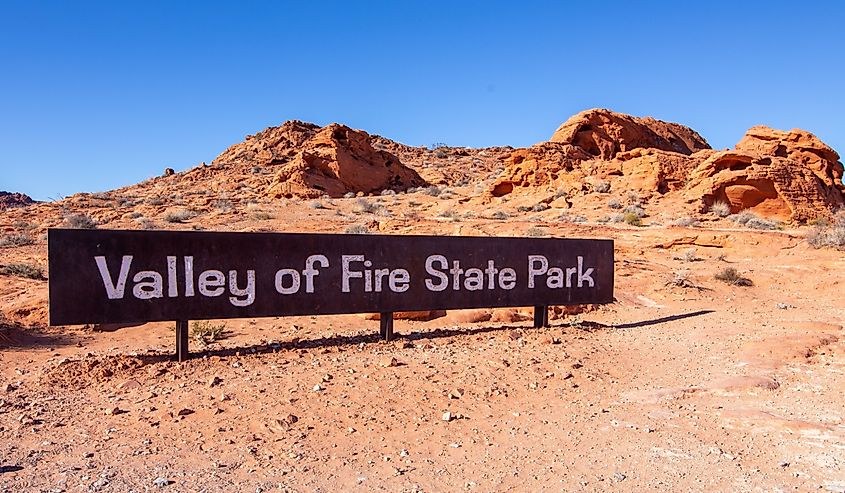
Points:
(357, 229)
(262, 216)
(16, 240)
(720, 209)
(632, 218)
(29, 271)
(831, 234)
(600, 186)
(316, 204)
(633, 198)
(364, 205)
(684, 222)
(568, 217)
(499, 215)
(681, 279)
(205, 332)
(178, 216)
(614, 204)
(155, 201)
(388, 192)
(449, 214)
(146, 223)
(535, 232)
(349, 195)
(635, 210)
(689, 255)
(80, 221)
(540, 207)
(730, 275)
(752, 221)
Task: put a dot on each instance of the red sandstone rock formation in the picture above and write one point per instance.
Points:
(652, 155)
(14, 199)
(313, 161)
(789, 175)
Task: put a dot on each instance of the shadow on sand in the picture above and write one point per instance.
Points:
(346, 341)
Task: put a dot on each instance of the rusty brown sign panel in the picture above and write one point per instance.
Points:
(102, 276)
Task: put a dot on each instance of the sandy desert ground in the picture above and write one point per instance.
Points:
(684, 383)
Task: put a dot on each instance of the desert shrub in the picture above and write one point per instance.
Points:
(364, 205)
(681, 279)
(205, 332)
(388, 192)
(357, 229)
(29, 271)
(730, 275)
(635, 210)
(448, 213)
(80, 221)
(500, 215)
(561, 192)
(437, 145)
(766, 224)
(539, 207)
(689, 255)
(752, 221)
(146, 223)
(600, 186)
(614, 204)
(684, 222)
(178, 216)
(830, 235)
(433, 190)
(155, 201)
(223, 205)
(721, 209)
(133, 215)
(316, 204)
(632, 218)
(535, 232)
(349, 195)
(262, 216)
(633, 198)
(568, 217)
(16, 240)
(523, 208)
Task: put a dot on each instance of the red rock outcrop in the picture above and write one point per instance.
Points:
(789, 175)
(604, 134)
(311, 161)
(14, 199)
(651, 155)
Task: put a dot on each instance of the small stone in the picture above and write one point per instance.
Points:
(129, 385)
(568, 376)
(10, 387)
(350, 429)
(456, 394)
(185, 412)
(389, 362)
(114, 411)
(455, 445)
(215, 380)
(784, 464)
(161, 482)
(224, 397)
(318, 388)
(88, 455)
(327, 377)
(447, 416)
(619, 476)
(403, 453)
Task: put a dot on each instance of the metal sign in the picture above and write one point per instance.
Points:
(111, 276)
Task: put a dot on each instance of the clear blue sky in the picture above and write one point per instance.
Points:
(98, 95)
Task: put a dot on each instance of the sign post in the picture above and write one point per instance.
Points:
(113, 276)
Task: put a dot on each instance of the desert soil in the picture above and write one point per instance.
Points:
(702, 386)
